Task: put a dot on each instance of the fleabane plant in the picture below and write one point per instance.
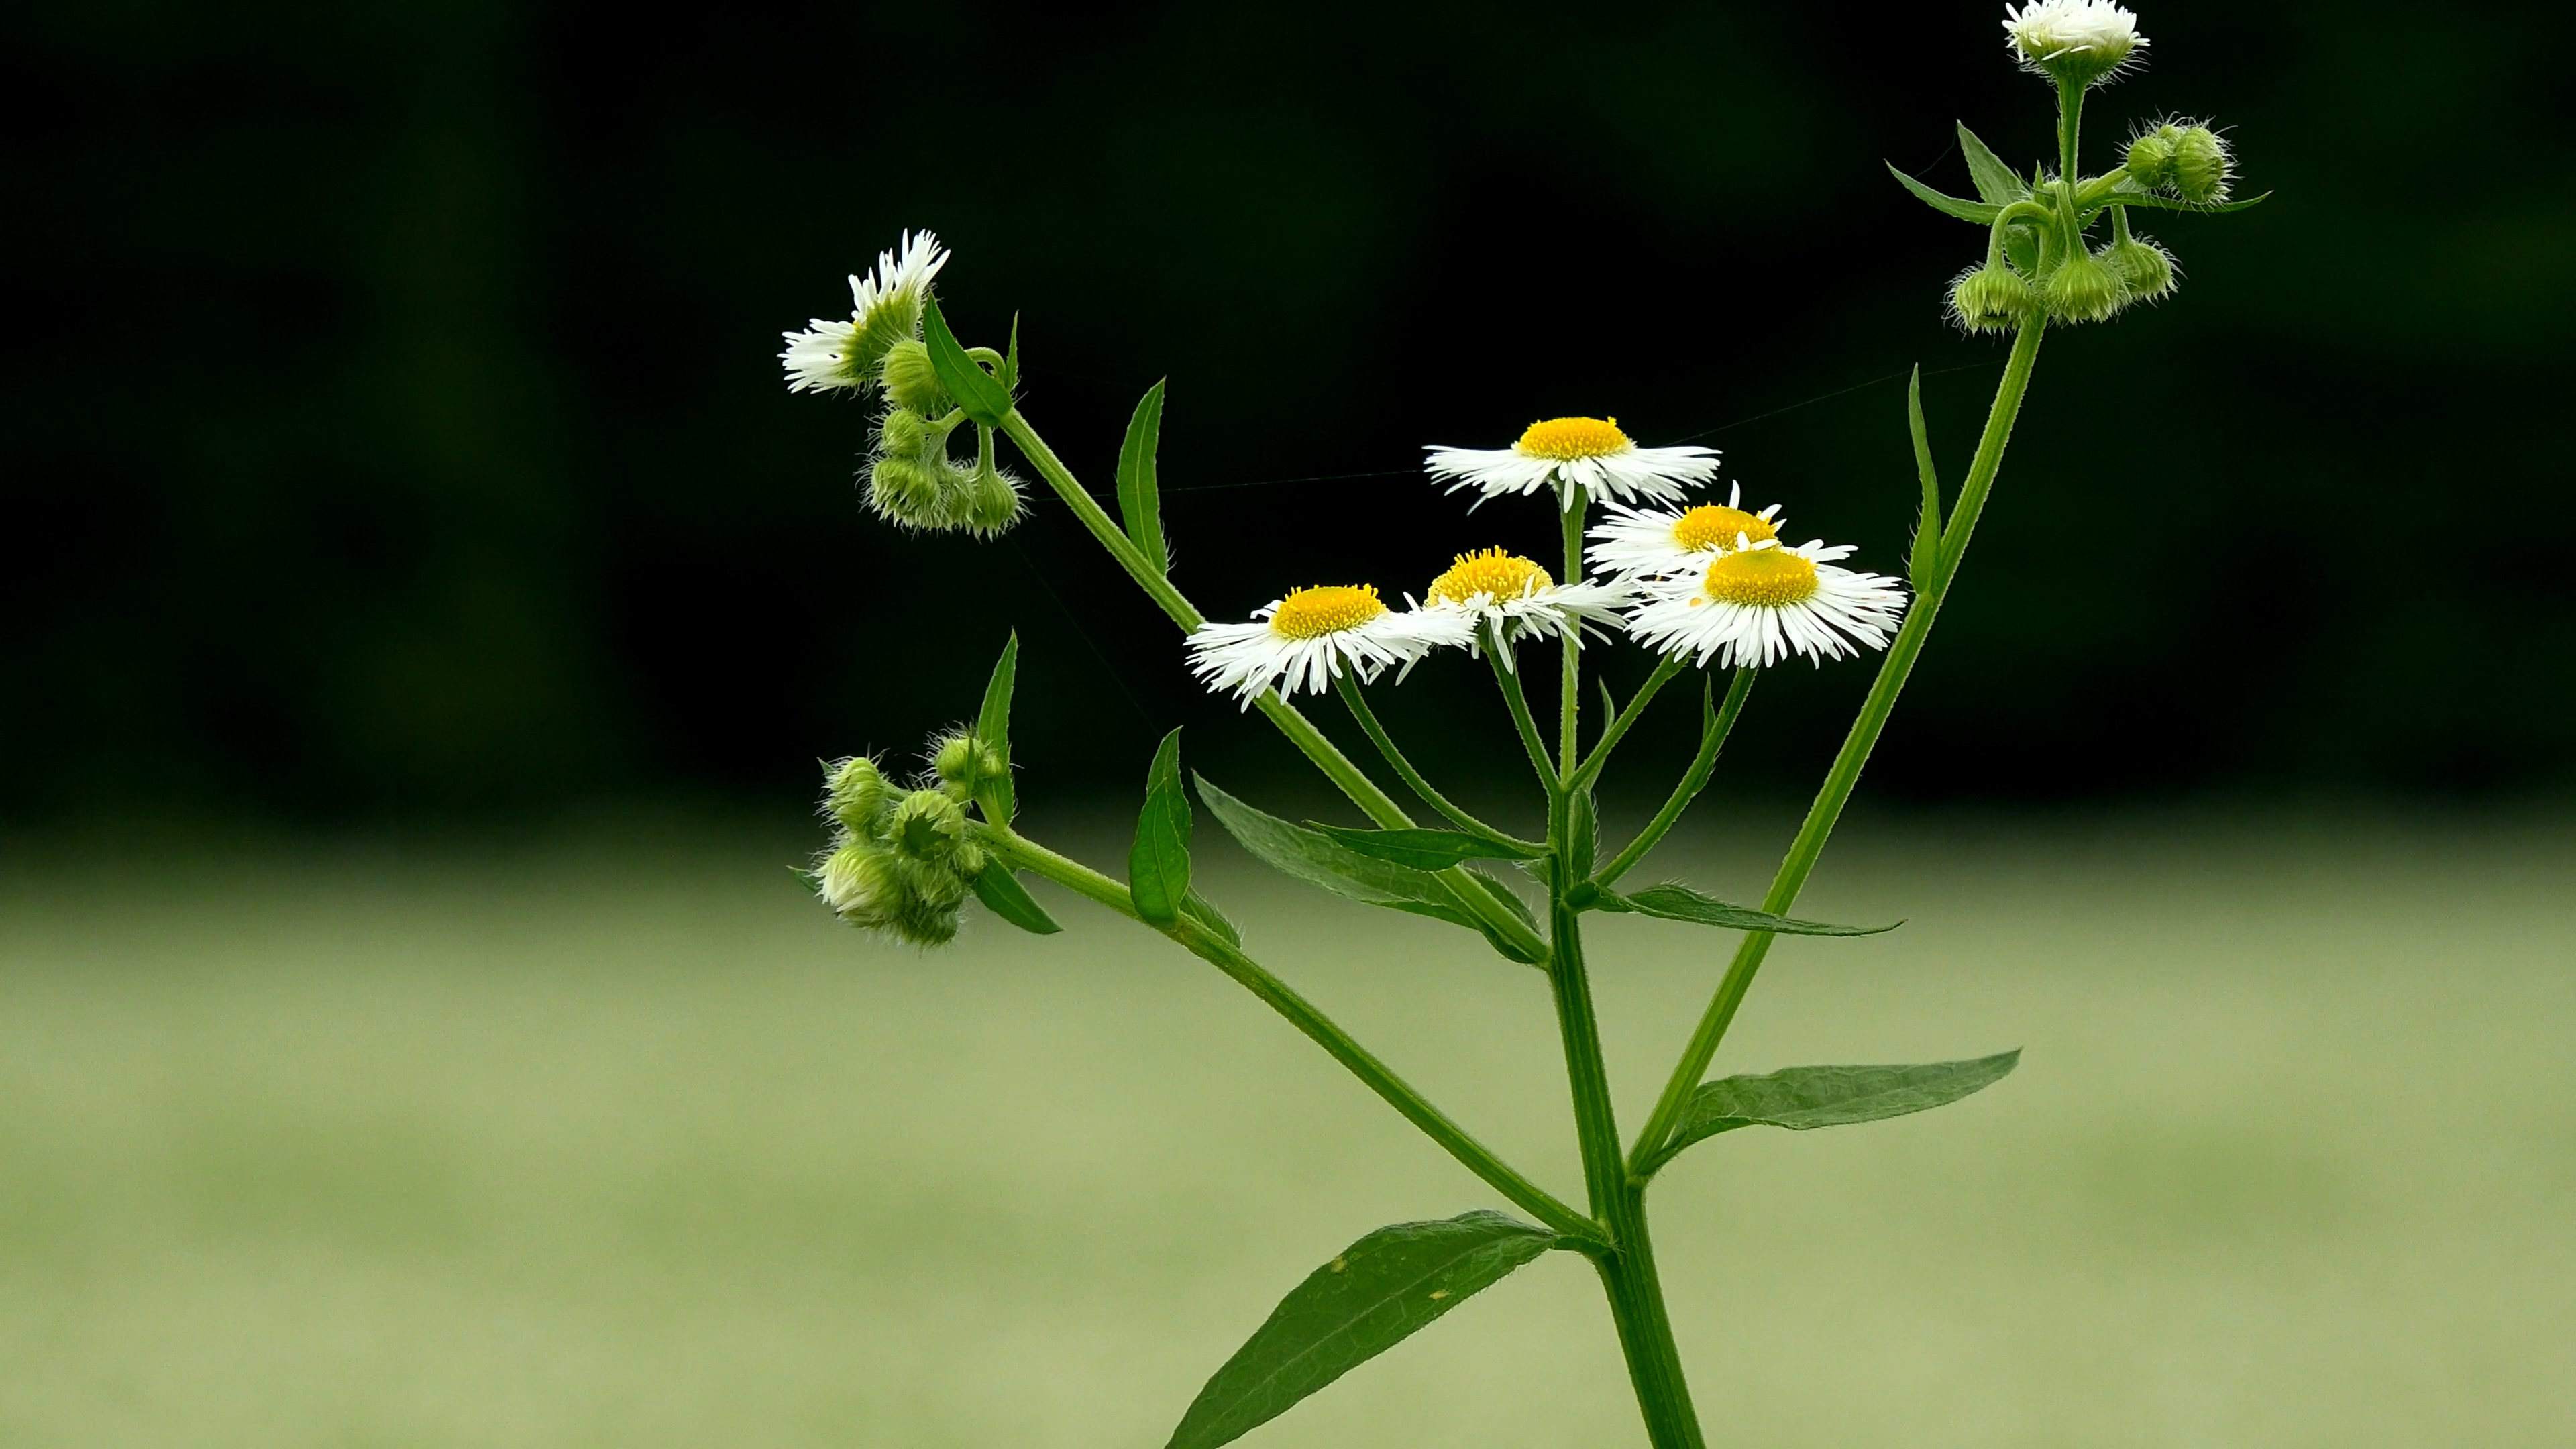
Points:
(1651, 558)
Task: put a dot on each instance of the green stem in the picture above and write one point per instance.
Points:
(1627, 1269)
(1569, 706)
(1368, 723)
(1013, 849)
(1665, 669)
(1845, 774)
(1510, 681)
(1712, 738)
(1474, 893)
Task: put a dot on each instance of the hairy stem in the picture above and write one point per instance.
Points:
(1569, 706)
(1368, 723)
(1845, 774)
(1013, 849)
(1510, 682)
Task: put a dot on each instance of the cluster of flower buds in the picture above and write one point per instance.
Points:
(912, 480)
(903, 860)
(2040, 262)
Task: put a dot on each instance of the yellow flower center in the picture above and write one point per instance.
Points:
(1503, 575)
(1714, 525)
(1566, 439)
(1313, 613)
(1760, 578)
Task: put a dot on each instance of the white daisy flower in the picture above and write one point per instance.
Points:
(1756, 604)
(1522, 598)
(1632, 544)
(2084, 40)
(885, 308)
(1589, 452)
(1300, 643)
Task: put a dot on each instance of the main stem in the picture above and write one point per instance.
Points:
(1845, 775)
(1618, 1203)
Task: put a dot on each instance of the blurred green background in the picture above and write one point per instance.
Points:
(427, 607)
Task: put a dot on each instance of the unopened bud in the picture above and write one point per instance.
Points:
(2083, 42)
(2202, 167)
(927, 825)
(856, 793)
(907, 491)
(861, 883)
(2143, 267)
(924, 924)
(904, 434)
(1992, 299)
(2151, 158)
(912, 381)
(966, 760)
(990, 501)
(2082, 289)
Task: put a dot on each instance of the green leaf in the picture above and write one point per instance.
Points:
(1158, 864)
(1318, 859)
(2162, 202)
(1140, 504)
(983, 396)
(1426, 849)
(1927, 526)
(1011, 359)
(1674, 902)
(1381, 1290)
(993, 727)
(1981, 212)
(1583, 846)
(1002, 893)
(1196, 907)
(1511, 898)
(1996, 182)
(2021, 247)
(1804, 1098)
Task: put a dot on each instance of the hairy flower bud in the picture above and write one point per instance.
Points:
(857, 792)
(911, 380)
(2082, 289)
(903, 433)
(2151, 158)
(923, 923)
(989, 501)
(862, 884)
(907, 491)
(926, 826)
(2082, 42)
(1991, 299)
(2202, 166)
(966, 760)
(2144, 268)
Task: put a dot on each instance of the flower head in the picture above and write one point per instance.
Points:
(2083, 41)
(1518, 597)
(1590, 453)
(1755, 605)
(885, 308)
(1632, 544)
(1301, 643)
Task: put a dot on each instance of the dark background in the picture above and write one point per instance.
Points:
(393, 425)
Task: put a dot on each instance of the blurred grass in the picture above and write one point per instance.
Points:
(594, 1144)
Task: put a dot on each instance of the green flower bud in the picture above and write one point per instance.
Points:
(935, 884)
(2151, 159)
(923, 924)
(904, 433)
(927, 826)
(2144, 268)
(2082, 289)
(969, 861)
(856, 794)
(966, 760)
(907, 491)
(989, 503)
(911, 380)
(2202, 167)
(1991, 299)
(862, 884)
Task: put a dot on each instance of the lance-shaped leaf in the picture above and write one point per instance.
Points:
(979, 393)
(1675, 902)
(1428, 849)
(1996, 182)
(1196, 907)
(1804, 1098)
(1140, 503)
(1002, 893)
(993, 727)
(2167, 203)
(1158, 864)
(1983, 213)
(1319, 859)
(1927, 526)
(1583, 832)
(1378, 1292)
